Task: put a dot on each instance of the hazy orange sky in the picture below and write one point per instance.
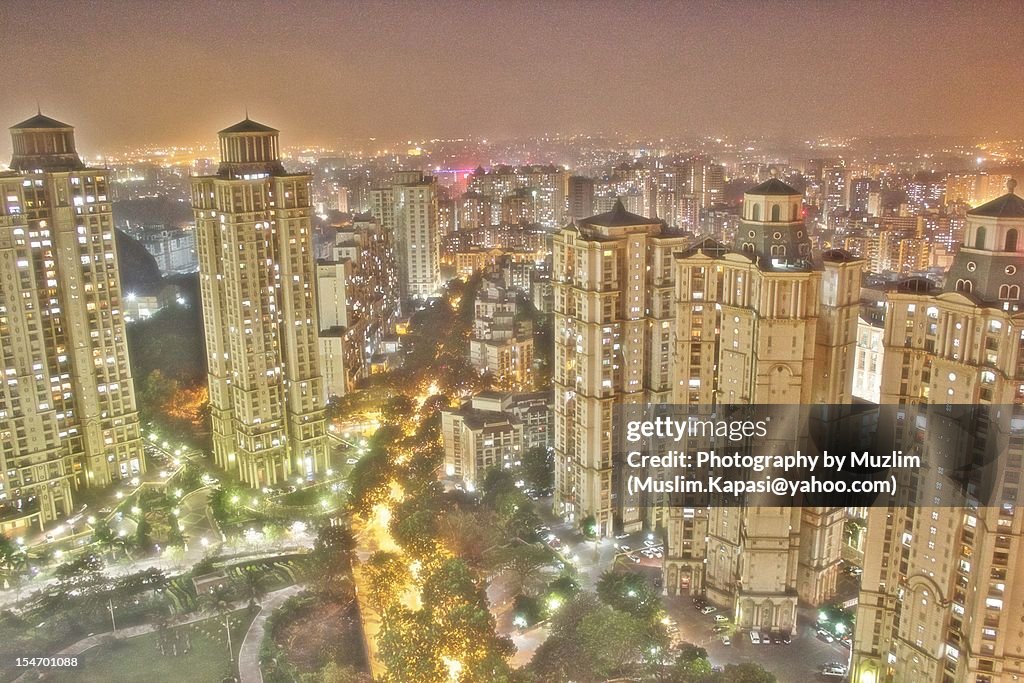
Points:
(164, 72)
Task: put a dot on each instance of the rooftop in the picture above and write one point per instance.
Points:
(1007, 206)
(39, 121)
(773, 186)
(618, 217)
(247, 125)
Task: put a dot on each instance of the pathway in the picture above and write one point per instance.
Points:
(249, 655)
(246, 657)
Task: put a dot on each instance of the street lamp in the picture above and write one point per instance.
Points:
(454, 667)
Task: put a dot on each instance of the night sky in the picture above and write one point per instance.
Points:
(163, 72)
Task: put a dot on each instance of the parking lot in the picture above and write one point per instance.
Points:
(800, 659)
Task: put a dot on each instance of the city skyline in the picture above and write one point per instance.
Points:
(800, 71)
(523, 342)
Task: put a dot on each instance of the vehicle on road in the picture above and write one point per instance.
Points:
(833, 670)
(726, 640)
(719, 618)
(825, 635)
(708, 609)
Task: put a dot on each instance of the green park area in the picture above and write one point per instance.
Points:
(165, 655)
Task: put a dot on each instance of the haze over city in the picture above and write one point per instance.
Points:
(522, 342)
(127, 73)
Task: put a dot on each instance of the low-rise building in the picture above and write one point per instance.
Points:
(502, 341)
(494, 429)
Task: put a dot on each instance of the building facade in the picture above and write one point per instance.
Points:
(407, 209)
(357, 302)
(940, 598)
(173, 249)
(68, 415)
(612, 281)
(761, 324)
(494, 429)
(258, 280)
(502, 340)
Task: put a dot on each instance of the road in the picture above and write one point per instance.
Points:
(198, 526)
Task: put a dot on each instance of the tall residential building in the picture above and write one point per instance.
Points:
(761, 324)
(941, 594)
(613, 287)
(407, 209)
(257, 278)
(581, 197)
(860, 193)
(705, 181)
(357, 302)
(68, 416)
(836, 193)
(974, 188)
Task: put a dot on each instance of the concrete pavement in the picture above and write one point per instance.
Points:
(249, 656)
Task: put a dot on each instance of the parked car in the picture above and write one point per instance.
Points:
(719, 618)
(708, 609)
(726, 641)
(755, 638)
(826, 636)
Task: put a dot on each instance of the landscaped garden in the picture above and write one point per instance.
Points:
(316, 634)
(201, 654)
